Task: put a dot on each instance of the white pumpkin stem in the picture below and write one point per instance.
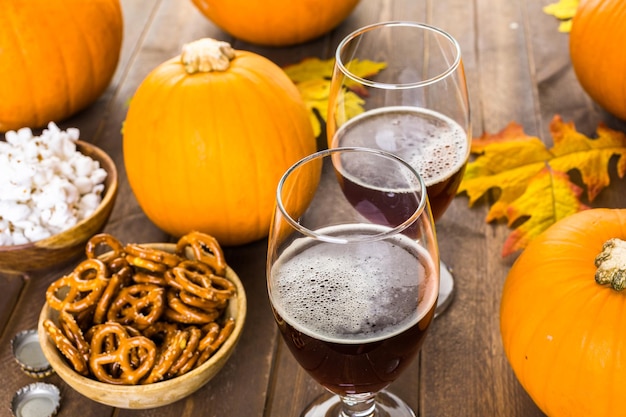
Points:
(206, 55)
(611, 264)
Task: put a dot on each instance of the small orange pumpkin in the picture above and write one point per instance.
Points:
(207, 137)
(561, 320)
(276, 22)
(57, 58)
(597, 41)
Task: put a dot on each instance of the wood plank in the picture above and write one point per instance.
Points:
(464, 346)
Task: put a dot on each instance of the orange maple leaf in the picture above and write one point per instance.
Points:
(535, 189)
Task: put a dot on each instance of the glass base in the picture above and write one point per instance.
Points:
(387, 405)
(446, 289)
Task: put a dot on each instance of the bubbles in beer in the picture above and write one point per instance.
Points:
(353, 292)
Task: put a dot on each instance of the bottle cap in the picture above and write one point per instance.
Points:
(36, 400)
(28, 354)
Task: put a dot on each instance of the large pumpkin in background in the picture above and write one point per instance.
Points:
(56, 57)
(207, 137)
(562, 316)
(598, 52)
(276, 22)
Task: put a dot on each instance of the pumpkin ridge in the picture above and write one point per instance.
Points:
(11, 19)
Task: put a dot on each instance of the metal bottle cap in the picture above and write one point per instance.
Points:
(28, 354)
(36, 400)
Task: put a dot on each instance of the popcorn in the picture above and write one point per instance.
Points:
(46, 184)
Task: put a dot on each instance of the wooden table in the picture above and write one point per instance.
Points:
(518, 69)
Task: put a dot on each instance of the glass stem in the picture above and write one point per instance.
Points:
(358, 405)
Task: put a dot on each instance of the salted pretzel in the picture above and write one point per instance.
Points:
(83, 287)
(71, 330)
(201, 303)
(189, 355)
(141, 277)
(215, 344)
(139, 305)
(205, 249)
(182, 313)
(131, 357)
(66, 347)
(104, 240)
(167, 356)
(106, 298)
(151, 259)
(206, 286)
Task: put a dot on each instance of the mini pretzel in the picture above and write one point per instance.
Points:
(108, 295)
(201, 303)
(66, 347)
(208, 287)
(205, 249)
(106, 240)
(182, 313)
(85, 285)
(167, 357)
(215, 344)
(139, 305)
(123, 357)
(151, 259)
(74, 334)
(189, 355)
(146, 278)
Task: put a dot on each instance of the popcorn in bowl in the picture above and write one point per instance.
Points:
(46, 184)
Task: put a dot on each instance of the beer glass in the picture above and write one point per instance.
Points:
(417, 107)
(353, 275)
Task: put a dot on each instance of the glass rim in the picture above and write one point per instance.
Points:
(393, 23)
(320, 155)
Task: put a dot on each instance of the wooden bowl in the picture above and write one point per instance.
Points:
(62, 247)
(148, 395)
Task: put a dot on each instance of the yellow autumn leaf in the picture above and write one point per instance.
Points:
(564, 10)
(510, 161)
(559, 199)
(312, 77)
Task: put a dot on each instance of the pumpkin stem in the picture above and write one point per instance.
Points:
(206, 55)
(611, 264)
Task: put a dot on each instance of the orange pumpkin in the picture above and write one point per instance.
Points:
(57, 57)
(207, 137)
(562, 321)
(597, 41)
(276, 22)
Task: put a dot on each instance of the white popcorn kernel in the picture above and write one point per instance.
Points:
(83, 185)
(73, 133)
(98, 175)
(88, 203)
(19, 238)
(61, 215)
(36, 232)
(14, 212)
(84, 165)
(5, 239)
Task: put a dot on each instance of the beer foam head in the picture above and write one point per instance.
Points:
(354, 292)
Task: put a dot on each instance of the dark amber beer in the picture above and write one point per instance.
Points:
(354, 315)
(435, 145)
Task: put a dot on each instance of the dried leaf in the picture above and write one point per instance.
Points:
(312, 77)
(564, 10)
(559, 199)
(533, 180)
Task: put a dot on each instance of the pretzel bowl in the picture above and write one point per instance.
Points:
(156, 394)
(62, 247)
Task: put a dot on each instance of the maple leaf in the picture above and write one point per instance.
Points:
(564, 10)
(312, 77)
(559, 199)
(533, 180)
